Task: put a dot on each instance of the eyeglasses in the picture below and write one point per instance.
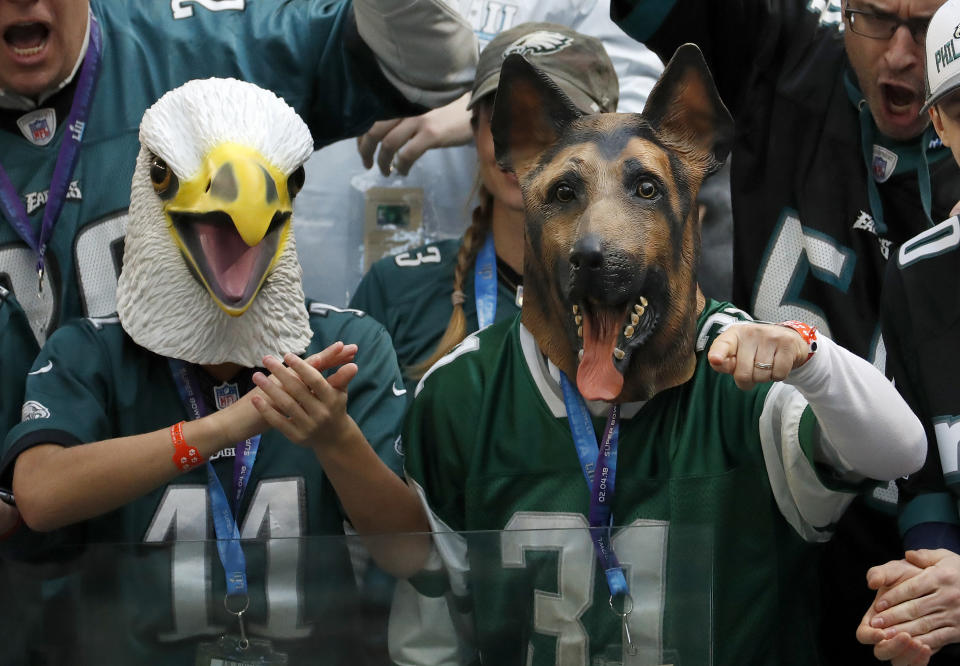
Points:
(883, 26)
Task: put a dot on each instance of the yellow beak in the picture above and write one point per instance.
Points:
(231, 222)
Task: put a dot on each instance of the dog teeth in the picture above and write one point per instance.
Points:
(628, 332)
(634, 319)
(576, 309)
(619, 353)
(579, 331)
(578, 319)
(643, 302)
(580, 355)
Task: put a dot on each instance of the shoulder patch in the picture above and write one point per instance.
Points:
(100, 322)
(930, 243)
(323, 309)
(3, 294)
(33, 410)
(717, 323)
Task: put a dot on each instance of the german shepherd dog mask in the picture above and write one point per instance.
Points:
(612, 224)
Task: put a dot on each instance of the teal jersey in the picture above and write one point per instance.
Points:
(705, 470)
(17, 350)
(409, 294)
(309, 53)
(167, 585)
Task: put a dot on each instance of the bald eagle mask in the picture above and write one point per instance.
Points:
(210, 272)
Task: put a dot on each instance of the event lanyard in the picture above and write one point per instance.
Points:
(13, 208)
(599, 466)
(224, 523)
(485, 283)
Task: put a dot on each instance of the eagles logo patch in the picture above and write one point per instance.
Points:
(33, 410)
(539, 43)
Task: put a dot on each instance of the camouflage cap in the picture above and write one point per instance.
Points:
(576, 62)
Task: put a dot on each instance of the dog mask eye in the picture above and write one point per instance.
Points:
(647, 189)
(565, 193)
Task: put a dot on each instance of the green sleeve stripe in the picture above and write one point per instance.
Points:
(431, 584)
(808, 434)
(928, 508)
(645, 18)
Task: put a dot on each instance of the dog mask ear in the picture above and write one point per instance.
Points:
(529, 112)
(686, 108)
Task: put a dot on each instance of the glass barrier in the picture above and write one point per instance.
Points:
(520, 596)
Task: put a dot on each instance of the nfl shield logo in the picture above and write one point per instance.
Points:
(226, 394)
(38, 126)
(884, 163)
(39, 129)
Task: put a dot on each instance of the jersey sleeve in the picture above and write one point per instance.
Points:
(739, 40)
(375, 397)
(17, 351)
(67, 395)
(924, 497)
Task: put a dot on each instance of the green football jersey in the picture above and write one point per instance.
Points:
(163, 588)
(309, 53)
(705, 470)
(17, 350)
(409, 294)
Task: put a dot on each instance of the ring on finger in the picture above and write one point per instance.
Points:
(762, 366)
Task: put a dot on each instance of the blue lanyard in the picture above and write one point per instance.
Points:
(13, 207)
(485, 283)
(224, 524)
(599, 466)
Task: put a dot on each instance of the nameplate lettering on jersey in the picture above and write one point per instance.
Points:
(38, 126)
(34, 200)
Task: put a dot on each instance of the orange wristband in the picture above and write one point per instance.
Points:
(185, 457)
(807, 332)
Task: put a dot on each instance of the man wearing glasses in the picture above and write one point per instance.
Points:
(833, 167)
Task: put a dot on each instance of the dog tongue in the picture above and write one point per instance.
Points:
(597, 379)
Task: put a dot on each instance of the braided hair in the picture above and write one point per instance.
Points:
(473, 239)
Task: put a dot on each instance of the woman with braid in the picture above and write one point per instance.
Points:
(431, 297)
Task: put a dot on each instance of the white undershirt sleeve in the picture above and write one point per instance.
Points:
(867, 428)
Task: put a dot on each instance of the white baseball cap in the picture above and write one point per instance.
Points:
(943, 53)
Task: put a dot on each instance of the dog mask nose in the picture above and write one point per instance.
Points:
(587, 253)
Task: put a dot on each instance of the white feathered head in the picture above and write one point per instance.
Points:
(210, 272)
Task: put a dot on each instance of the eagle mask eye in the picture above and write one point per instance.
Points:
(295, 182)
(165, 182)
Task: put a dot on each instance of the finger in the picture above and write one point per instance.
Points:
(367, 143)
(279, 397)
(334, 355)
(939, 637)
(764, 360)
(902, 649)
(413, 149)
(924, 558)
(276, 420)
(308, 375)
(723, 352)
(391, 144)
(342, 376)
(894, 601)
(890, 574)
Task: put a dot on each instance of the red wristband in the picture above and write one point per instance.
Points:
(185, 457)
(807, 332)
